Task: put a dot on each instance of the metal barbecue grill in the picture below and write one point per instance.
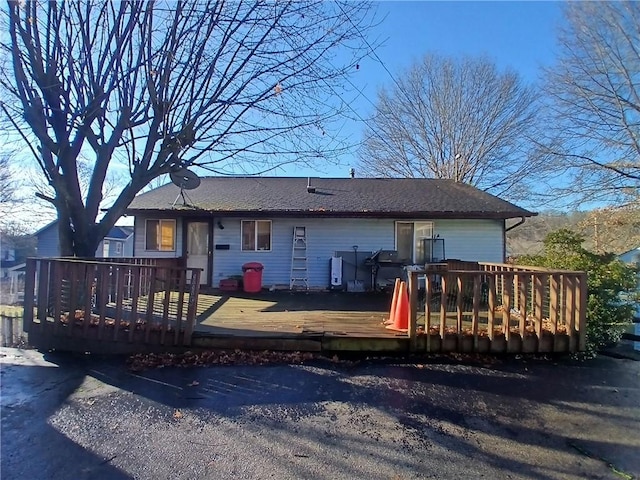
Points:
(385, 268)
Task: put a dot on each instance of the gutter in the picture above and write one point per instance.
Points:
(522, 220)
(504, 237)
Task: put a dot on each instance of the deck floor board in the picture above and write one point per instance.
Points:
(294, 314)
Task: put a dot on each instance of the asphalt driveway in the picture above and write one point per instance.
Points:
(84, 417)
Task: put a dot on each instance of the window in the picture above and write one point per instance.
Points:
(256, 235)
(411, 241)
(161, 235)
(118, 248)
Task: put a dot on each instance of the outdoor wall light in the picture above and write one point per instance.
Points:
(220, 225)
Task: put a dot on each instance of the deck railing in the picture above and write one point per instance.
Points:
(152, 301)
(488, 307)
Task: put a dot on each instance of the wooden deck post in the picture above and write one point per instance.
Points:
(476, 309)
(459, 285)
(522, 295)
(507, 296)
(57, 273)
(413, 311)
(582, 312)
(88, 286)
(194, 290)
(29, 287)
(428, 285)
(491, 321)
(182, 282)
(541, 282)
(133, 318)
(443, 305)
(151, 299)
(102, 286)
(43, 293)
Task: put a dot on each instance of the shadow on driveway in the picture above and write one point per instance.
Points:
(364, 420)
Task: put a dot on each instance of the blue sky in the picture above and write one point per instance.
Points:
(516, 35)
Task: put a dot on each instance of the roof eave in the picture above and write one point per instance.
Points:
(195, 212)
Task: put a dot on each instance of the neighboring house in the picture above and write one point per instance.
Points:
(631, 256)
(7, 257)
(12, 263)
(228, 221)
(118, 243)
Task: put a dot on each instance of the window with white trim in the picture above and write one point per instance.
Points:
(411, 241)
(160, 235)
(256, 235)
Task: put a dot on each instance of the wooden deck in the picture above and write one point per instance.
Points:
(296, 320)
(454, 306)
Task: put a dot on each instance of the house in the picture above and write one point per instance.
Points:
(229, 221)
(12, 268)
(631, 256)
(7, 257)
(118, 243)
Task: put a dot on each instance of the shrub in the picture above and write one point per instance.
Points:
(611, 285)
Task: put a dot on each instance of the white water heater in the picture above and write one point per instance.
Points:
(336, 272)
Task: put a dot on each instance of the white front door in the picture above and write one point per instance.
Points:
(198, 248)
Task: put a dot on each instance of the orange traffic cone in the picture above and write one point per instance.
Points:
(392, 310)
(401, 317)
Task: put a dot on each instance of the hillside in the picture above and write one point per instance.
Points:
(605, 230)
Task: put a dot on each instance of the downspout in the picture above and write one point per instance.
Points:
(504, 236)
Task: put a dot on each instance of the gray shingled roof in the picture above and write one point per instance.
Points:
(352, 197)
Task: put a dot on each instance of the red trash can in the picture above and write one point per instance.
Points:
(252, 277)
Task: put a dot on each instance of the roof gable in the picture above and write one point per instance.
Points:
(381, 197)
(119, 233)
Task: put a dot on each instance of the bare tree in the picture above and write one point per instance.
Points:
(142, 88)
(595, 94)
(460, 119)
(7, 185)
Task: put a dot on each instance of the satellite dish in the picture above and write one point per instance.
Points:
(185, 179)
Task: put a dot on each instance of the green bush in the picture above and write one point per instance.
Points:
(611, 285)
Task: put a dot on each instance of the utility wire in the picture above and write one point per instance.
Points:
(364, 39)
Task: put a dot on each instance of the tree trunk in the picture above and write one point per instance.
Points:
(84, 248)
(73, 244)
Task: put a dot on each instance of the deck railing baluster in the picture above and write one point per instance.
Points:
(151, 300)
(428, 286)
(475, 318)
(182, 281)
(134, 279)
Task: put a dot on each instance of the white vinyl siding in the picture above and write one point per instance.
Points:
(473, 240)
(324, 237)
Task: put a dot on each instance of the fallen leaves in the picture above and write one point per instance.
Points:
(140, 362)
